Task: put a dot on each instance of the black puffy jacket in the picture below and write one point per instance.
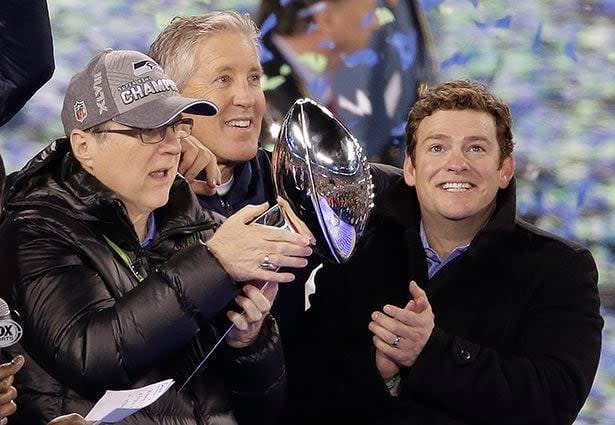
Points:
(90, 326)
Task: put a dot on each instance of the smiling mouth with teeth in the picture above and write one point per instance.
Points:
(456, 187)
(239, 123)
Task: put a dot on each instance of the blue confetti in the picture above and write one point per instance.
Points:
(430, 4)
(406, 46)
(537, 42)
(457, 59)
(607, 7)
(474, 3)
(571, 50)
(284, 3)
(399, 129)
(521, 107)
(319, 86)
(503, 22)
(269, 24)
(498, 23)
(569, 216)
(362, 57)
(599, 205)
(481, 25)
(265, 54)
(327, 44)
(311, 27)
(582, 192)
(367, 19)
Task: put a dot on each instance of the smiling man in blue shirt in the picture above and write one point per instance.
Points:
(453, 310)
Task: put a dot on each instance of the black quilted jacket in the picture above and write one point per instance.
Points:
(90, 326)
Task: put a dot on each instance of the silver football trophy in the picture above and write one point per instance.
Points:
(324, 183)
(320, 170)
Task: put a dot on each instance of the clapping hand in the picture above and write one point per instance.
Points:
(400, 334)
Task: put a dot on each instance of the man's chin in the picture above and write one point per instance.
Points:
(239, 157)
(459, 215)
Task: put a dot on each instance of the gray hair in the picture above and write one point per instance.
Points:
(174, 48)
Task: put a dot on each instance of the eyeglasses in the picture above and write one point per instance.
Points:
(150, 136)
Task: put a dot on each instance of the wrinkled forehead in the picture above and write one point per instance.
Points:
(458, 121)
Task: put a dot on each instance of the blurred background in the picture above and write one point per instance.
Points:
(552, 61)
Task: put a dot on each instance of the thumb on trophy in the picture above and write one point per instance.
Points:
(298, 225)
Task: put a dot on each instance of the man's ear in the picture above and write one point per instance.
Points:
(83, 146)
(507, 170)
(409, 171)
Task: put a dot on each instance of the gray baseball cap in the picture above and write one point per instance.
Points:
(129, 88)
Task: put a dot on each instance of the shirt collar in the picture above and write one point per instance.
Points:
(151, 230)
(434, 262)
(225, 187)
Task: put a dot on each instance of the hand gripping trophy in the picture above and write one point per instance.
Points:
(323, 183)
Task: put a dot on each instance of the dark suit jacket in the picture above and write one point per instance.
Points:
(26, 58)
(517, 326)
(26, 53)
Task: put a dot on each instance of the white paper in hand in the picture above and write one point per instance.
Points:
(117, 405)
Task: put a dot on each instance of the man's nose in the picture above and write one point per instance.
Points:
(171, 143)
(457, 161)
(244, 94)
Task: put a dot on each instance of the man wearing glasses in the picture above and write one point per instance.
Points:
(122, 279)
